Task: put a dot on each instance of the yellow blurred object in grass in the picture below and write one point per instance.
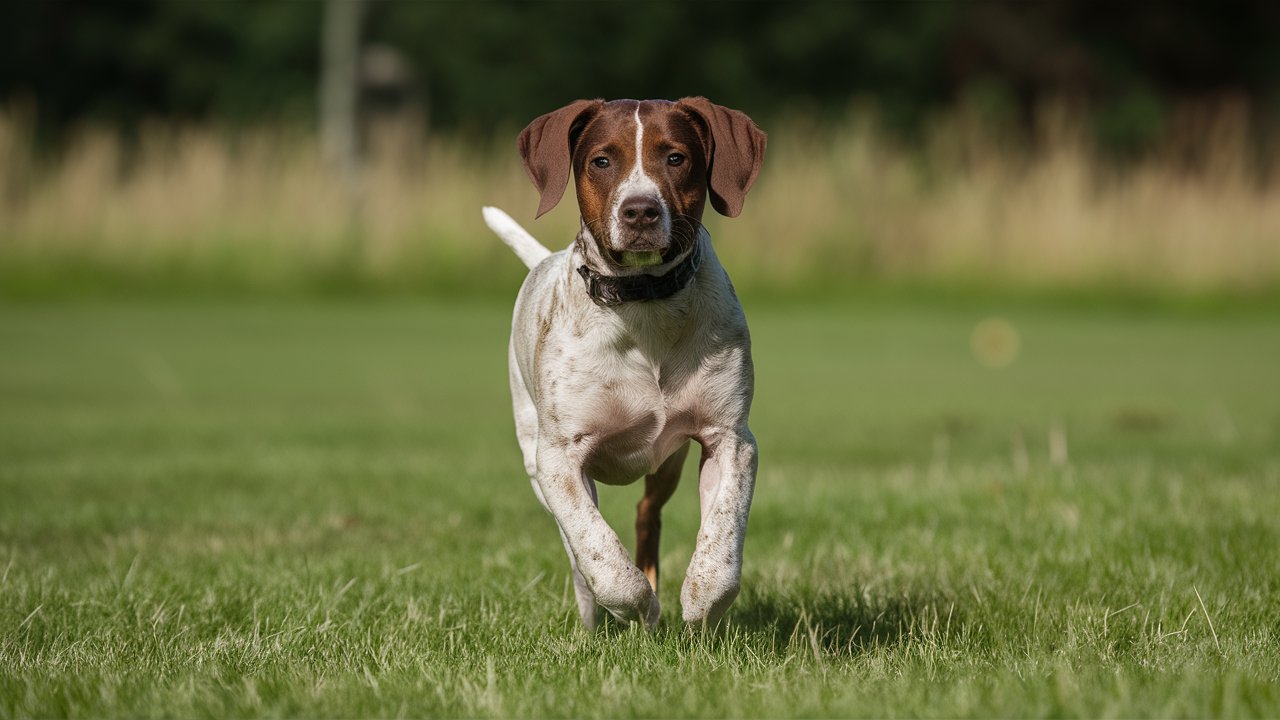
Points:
(995, 343)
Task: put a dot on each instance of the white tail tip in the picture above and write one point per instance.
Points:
(527, 248)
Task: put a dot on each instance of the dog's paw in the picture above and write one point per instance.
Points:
(709, 589)
(629, 598)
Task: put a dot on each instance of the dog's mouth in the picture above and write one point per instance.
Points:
(644, 251)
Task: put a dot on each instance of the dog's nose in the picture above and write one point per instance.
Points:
(639, 212)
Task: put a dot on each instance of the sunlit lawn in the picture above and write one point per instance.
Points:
(286, 508)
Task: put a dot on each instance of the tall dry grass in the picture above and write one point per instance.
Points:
(201, 207)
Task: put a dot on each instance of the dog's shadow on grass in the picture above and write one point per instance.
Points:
(844, 622)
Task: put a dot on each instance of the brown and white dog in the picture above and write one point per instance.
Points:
(630, 343)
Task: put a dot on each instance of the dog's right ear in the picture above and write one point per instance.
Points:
(547, 149)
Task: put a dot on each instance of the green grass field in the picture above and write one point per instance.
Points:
(278, 508)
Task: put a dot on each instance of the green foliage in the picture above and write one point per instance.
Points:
(284, 509)
(1131, 124)
(501, 62)
(137, 59)
(507, 61)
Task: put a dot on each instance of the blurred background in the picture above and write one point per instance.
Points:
(283, 146)
(1012, 272)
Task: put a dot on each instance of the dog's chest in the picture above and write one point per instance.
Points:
(624, 408)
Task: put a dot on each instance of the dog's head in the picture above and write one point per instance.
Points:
(643, 170)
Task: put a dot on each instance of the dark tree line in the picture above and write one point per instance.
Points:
(478, 63)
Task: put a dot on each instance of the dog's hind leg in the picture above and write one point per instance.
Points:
(658, 488)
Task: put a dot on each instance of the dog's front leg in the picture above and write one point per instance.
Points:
(618, 585)
(726, 481)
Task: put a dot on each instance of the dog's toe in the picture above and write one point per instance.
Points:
(709, 589)
(629, 598)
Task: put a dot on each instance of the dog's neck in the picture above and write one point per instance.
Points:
(610, 286)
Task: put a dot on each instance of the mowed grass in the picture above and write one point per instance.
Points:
(282, 508)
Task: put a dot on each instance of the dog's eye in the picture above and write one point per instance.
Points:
(601, 162)
(675, 159)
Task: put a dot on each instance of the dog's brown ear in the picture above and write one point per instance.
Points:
(735, 153)
(547, 151)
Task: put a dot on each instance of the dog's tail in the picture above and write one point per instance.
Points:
(530, 251)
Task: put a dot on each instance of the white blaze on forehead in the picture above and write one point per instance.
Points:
(638, 178)
(637, 184)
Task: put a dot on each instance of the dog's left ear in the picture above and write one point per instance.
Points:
(735, 152)
(546, 147)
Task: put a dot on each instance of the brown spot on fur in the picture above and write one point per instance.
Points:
(544, 329)
(555, 309)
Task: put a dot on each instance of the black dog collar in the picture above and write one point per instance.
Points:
(618, 289)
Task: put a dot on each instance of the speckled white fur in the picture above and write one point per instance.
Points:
(606, 394)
